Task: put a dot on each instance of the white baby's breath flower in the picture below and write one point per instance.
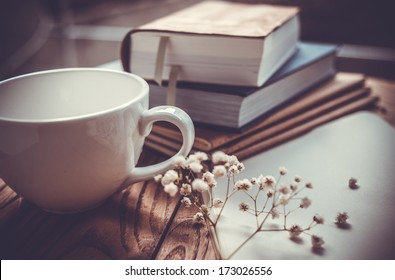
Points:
(293, 187)
(283, 199)
(309, 185)
(244, 207)
(158, 178)
(282, 171)
(233, 170)
(341, 218)
(232, 160)
(208, 176)
(244, 185)
(195, 167)
(266, 182)
(269, 181)
(318, 219)
(270, 192)
(210, 179)
(186, 202)
(284, 190)
(217, 203)
(198, 217)
(201, 156)
(171, 189)
(275, 213)
(352, 183)
(295, 231)
(317, 242)
(180, 161)
(261, 182)
(185, 189)
(172, 174)
(169, 177)
(219, 157)
(219, 170)
(298, 179)
(240, 166)
(199, 185)
(253, 180)
(305, 202)
(191, 158)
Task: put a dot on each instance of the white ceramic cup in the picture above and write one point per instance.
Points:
(69, 138)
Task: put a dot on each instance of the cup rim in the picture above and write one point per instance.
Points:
(144, 91)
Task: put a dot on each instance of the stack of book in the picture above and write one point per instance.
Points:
(241, 73)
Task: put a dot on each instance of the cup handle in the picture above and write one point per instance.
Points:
(175, 116)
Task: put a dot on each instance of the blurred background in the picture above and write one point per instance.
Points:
(46, 34)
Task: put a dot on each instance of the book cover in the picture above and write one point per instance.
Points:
(214, 42)
(261, 141)
(225, 18)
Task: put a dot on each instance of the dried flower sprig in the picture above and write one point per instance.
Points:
(277, 199)
(341, 218)
(197, 175)
(353, 183)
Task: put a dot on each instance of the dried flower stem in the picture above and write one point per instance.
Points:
(242, 244)
(275, 191)
(223, 206)
(193, 176)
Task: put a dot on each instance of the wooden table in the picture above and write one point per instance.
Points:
(140, 222)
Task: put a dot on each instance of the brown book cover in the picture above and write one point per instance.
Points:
(224, 18)
(215, 42)
(209, 139)
(265, 139)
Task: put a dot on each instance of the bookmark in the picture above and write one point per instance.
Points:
(172, 86)
(160, 59)
(173, 75)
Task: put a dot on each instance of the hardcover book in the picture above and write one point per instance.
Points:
(215, 42)
(342, 95)
(236, 107)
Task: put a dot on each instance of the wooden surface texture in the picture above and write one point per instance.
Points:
(136, 223)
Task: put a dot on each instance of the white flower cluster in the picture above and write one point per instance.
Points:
(280, 196)
(198, 173)
(194, 174)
